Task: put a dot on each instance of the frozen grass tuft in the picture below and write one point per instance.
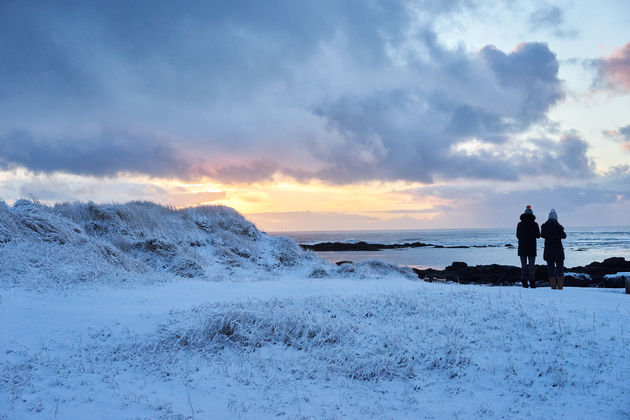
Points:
(383, 337)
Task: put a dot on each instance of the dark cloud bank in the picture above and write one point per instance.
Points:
(106, 155)
(338, 91)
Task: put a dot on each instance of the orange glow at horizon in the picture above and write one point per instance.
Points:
(269, 203)
(318, 197)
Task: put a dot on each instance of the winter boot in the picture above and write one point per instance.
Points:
(532, 278)
(560, 281)
(552, 282)
(524, 281)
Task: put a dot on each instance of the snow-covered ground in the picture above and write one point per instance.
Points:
(260, 329)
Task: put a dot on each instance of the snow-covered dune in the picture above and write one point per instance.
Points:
(139, 242)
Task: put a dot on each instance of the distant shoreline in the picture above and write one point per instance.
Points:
(367, 246)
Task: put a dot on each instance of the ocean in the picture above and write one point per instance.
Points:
(583, 245)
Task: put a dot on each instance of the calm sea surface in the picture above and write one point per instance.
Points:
(582, 246)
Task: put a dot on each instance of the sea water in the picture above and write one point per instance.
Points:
(582, 246)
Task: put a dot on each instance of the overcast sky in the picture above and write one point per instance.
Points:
(322, 114)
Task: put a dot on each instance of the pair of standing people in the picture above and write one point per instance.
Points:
(527, 231)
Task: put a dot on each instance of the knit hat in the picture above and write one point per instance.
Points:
(528, 210)
(553, 215)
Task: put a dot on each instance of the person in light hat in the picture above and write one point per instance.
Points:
(553, 232)
(527, 232)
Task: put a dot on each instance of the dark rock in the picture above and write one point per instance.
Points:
(344, 262)
(360, 246)
(616, 282)
(457, 265)
(577, 280)
(430, 274)
(597, 270)
(367, 246)
(461, 272)
(591, 275)
(483, 274)
(342, 246)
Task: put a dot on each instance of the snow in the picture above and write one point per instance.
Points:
(79, 244)
(583, 276)
(276, 332)
(623, 274)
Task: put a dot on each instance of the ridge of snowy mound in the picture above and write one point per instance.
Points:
(72, 243)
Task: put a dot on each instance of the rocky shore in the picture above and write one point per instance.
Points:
(596, 274)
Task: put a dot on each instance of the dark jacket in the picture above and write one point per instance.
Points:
(553, 232)
(527, 231)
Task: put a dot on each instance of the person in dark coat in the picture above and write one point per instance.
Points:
(527, 232)
(553, 232)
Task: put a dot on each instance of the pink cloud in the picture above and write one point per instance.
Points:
(616, 68)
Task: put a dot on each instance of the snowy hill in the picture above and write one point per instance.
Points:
(115, 311)
(140, 242)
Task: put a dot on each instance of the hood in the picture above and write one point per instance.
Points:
(526, 216)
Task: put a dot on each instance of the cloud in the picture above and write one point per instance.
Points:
(550, 18)
(328, 221)
(601, 200)
(567, 158)
(622, 134)
(531, 68)
(105, 155)
(342, 92)
(614, 71)
(564, 158)
(491, 96)
(63, 187)
(250, 172)
(412, 211)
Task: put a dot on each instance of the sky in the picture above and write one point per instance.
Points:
(322, 115)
